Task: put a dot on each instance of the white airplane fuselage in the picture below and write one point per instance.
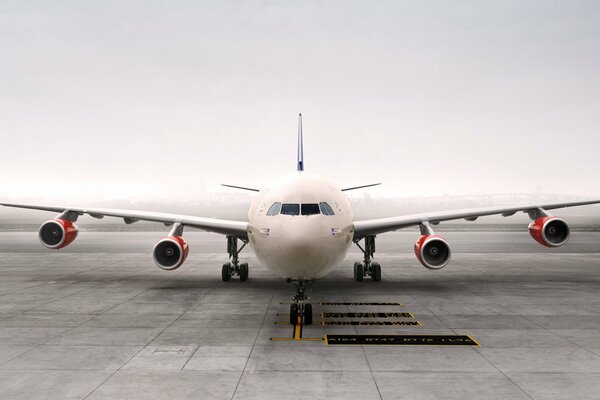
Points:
(300, 247)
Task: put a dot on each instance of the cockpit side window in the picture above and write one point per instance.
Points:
(326, 209)
(310, 209)
(290, 209)
(274, 209)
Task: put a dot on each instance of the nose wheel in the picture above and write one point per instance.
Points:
(300, 311)
(234, 268)
(367, 267)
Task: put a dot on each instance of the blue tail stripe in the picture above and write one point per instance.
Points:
(300, 145)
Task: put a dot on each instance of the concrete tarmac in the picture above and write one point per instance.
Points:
(98, 320)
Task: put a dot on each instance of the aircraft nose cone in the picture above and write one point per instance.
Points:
(300, 245)
(298, 238)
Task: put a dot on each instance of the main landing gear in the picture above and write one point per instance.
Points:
(233, 268)
(368, 267)
(299, 310)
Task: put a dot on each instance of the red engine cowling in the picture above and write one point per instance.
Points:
(169, 253)
(432, 251)
(550, 231)
(57, 233)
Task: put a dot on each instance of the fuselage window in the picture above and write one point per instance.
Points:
(274, 209)
(310, 209)
(290, 209)
(326, 209)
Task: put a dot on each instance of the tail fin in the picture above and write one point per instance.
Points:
(300, 145)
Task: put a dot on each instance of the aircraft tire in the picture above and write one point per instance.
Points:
(244, 272)
(294, 314)
(359, 272)
(226, 272)
(308, 315)
(376, 272)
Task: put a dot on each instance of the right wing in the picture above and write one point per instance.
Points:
(381, 225)
(238, 229)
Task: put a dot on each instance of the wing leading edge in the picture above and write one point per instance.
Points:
(238, 229)
(381, 225)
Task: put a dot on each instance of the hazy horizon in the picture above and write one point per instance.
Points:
(120, 100)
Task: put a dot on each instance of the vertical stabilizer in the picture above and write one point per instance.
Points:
(300, 145)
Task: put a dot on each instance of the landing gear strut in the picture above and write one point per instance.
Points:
(368, 267)
(233, 267)
(299, 310)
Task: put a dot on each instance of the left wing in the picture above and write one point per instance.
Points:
(381, 225)
(238, 229)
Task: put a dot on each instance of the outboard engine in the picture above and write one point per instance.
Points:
(170, 253)
(550, 231)
(432, 251)
(57, 233)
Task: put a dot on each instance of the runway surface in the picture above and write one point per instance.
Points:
(100, 321)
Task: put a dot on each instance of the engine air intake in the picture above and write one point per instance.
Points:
(432, 251)
(170, 252)
(549, 231)
(57, 233)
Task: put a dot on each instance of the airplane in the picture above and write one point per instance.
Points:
(301, 226)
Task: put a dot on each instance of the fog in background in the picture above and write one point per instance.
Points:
(154, 104)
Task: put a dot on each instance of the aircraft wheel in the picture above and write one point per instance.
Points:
(376, 275)
(359, 275)
(308, 320)
(294, 314)
(244, 272)
(226, 272)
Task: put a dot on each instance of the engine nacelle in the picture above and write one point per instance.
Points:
(432, 251)
(169, 253)
(57, 233)
(550, 231)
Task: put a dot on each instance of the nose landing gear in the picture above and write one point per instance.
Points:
(299, 310)
(233, 268)
(368, 267)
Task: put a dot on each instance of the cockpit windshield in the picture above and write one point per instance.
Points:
(274, 209)
(326, 209)
(290, 209)
(300, 209)
(310, 209)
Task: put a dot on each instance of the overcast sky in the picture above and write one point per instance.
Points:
(127, 98)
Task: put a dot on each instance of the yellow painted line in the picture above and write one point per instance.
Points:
(359, 304)
(370, 323)
(298, 328)
(476, 342)
(367, 315)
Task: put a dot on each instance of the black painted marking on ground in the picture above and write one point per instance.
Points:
(418, 340)
(367, 315)
(360, 304)
(373, 323)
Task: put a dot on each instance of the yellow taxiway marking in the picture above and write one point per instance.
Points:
(372, 323)
(367, 315)
(298, 329)
(358, 304)
(474, 341)
(297, 333)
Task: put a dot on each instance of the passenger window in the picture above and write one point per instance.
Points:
(290, 209)
(310, 209)
(326, 209)
(274, 209)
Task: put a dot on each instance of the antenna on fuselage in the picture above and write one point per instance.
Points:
(300, 145)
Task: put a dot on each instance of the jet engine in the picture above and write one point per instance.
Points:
(57, 233)
(432, 251)
(549, 231)
(169, 253)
